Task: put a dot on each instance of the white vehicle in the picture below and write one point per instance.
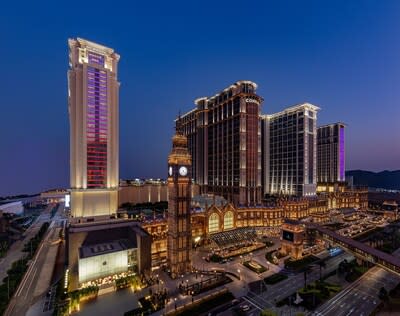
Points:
(245, 308)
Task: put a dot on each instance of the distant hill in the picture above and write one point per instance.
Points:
(385, 179)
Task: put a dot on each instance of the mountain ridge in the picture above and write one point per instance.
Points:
(385, 179)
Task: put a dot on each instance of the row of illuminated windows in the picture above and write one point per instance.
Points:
(96, 80)
(97, 124)
(93, 93)
(97, 111)
(99, 127)
(97, 103)
(102, 139)
(101, 117)
(97, 86)
(96, 120)
(96, 91)
(97, 108)
(91, 133)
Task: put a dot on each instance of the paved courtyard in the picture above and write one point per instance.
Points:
(115, 303)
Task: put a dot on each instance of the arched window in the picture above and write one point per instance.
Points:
(228, 220)
(213, 223)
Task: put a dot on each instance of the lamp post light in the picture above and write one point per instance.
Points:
(240, 278)
(158, 283)
(175, 302)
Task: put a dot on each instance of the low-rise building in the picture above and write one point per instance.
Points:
(15, 208)
(146, 191)
(101, 249)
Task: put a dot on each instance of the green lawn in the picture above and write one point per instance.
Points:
(203, 307)
(273, 256)
(255, 266)
(313, 295)
(275, 278)
(299, 264)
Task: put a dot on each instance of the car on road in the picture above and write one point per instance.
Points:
(245, 308)
(235, 301)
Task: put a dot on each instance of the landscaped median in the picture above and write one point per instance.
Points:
(300, 263)
(203, 305)
(352, 270)
(255, 266)
(312, 295)
(273, 256)
(275, 278)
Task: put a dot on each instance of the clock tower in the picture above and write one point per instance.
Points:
(179, 243)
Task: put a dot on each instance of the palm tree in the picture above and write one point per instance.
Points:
(321, 265)
(383, 294)
(306, 271)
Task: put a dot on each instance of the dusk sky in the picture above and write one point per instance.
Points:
(343, 56)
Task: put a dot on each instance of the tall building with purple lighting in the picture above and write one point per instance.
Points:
(93, 90)
(331, 153)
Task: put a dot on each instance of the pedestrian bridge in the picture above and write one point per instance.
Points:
(359, 249)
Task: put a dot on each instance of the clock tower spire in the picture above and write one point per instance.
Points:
(179, 243)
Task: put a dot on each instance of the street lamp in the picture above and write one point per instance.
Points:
(175, 302)
(239, 274)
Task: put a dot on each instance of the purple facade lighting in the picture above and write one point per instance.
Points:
(341, 154)
(96, 124)
(96, 59)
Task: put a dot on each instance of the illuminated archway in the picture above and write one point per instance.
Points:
(213, 223)
(228, 220)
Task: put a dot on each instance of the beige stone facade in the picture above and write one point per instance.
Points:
(149, 191)
(93, 92)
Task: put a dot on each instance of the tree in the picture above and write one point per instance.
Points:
(307, 270)
(383, 294)
(267, 312)
(321, 265)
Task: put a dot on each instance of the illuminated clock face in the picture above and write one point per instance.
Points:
(183, 171)
(170, 171)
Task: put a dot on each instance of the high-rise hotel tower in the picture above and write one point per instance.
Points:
(289, 151)
(93, 112)
(224, 139)
(331, 153)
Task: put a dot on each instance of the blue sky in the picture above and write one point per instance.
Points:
(340, 55)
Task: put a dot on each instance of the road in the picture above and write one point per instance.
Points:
(291, 285)
(15, 252)
(284, 288)
(37, 279)
(360, 297)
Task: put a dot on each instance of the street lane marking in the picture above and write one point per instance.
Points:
(30, 284)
